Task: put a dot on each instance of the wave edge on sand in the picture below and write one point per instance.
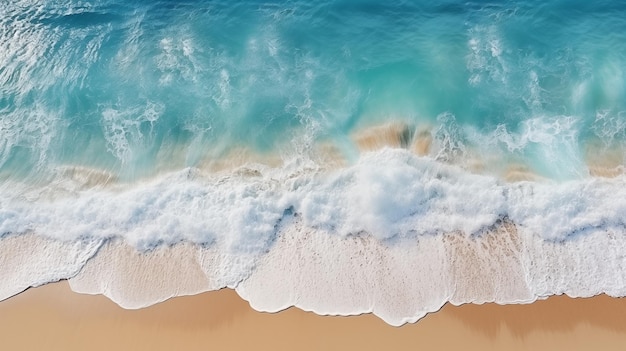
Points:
(399, 280)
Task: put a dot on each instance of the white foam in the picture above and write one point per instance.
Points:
(394, 234)
(232, 209)
(485, 61)
(122, 129)
(609, 126)
(392, 192)
(386, 193)
(556, 211)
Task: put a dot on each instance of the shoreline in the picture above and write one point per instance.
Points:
(53, 317)
(412, 278)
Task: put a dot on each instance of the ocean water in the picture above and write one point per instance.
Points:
(341, 156)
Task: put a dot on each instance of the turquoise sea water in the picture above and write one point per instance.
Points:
(112, 84)
(400, 154)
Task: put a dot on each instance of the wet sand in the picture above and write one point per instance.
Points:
(54, 318)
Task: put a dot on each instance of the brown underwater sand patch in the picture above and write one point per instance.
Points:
(54, 318)
(88, 177)
(519, 173)
(396, 135)
(604, 161)
(237, 159)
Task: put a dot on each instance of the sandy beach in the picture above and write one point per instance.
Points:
(53, 317)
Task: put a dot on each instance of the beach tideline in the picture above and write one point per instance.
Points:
(54, 318)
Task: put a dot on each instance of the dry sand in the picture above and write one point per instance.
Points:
(54, 318)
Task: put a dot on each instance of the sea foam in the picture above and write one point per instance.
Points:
(395, 234)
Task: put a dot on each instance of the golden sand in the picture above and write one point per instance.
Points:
(54, 318)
